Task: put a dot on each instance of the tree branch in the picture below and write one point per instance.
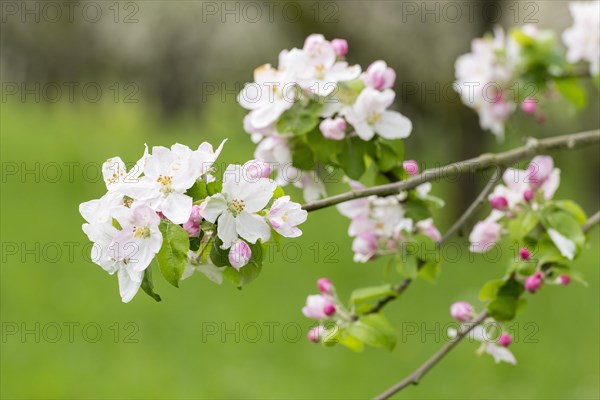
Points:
(415, 377)
(464, 218)
(483, 162)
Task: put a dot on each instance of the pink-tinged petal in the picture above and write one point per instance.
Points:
(551, 184)
(239, 254)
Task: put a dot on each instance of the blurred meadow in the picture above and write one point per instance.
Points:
(210, 341)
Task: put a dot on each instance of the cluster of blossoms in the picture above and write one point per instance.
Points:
(315, 85)
(323, 307)
(170, 203)
(523, 68)
(380, 225)
(463, 312)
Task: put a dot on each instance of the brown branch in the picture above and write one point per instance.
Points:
(485, 161)
(591, 222)
(415, 377)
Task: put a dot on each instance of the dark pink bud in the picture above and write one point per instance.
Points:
(564, 279)
(462, 311)
(528, 195)
(325, 285)
(340, 47)
(524, 254)
(533, 283)
(315, 334)
(499, 202)
(411, 167)
(328, 309)
(504, 340)
(529, 105)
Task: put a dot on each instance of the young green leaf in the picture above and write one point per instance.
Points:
(172, 256)
(148, 285)
(374, 330)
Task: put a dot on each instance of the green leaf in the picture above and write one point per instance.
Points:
(504, 307)
(567, 225)
(361, 295)
(302, 156)
(351, 342)
(407, 265)
(351, 157)
(571, 90)
(522, 224)
(148, 285)
(172, 256)
(390, 154)
(572, 208)
(219, 256)
(300, 118)
(429, 271)
(244, 276)
(374, 330)
(427, 248)
(416, 209)
(198, 191)
(490, 289)
(214, 187)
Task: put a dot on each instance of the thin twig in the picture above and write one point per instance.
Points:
(464, 218)
(483, 162)
(591, 222)
(415, 377)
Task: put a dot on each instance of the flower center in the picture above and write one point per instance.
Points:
(166, 182)
(142, 232)
(373, 118)
(236, 206)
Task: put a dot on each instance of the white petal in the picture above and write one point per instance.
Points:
(212, 207)
(393, 125)
(128, 287)
(177, 207)
(564, 245)
(226, 229)
(252, 227)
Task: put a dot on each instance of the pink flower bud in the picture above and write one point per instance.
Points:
(256, 169)
(239, 254)
(329, 309)
(325, 285)
(529, 105)
(498, 202)
(316, 334)
(334, 129)
(192, 226)
(504, 340)
(528, 195)
(379, 76)
(462, 311)
(533, 283)
(411, 167)
(524, 254)
(564, 279)
(340, 47)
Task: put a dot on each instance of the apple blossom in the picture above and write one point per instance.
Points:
(256, 169)
(115, 172)
(285, 216)
(239, 254)
(364, 247)
(499, 353)
(583, 38)
(369, 115)
(462, 311)
(379, 76)
(168, 173)
(334, 129)
(427, 227)
(235, 208)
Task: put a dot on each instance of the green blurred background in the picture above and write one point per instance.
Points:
(173, 55)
